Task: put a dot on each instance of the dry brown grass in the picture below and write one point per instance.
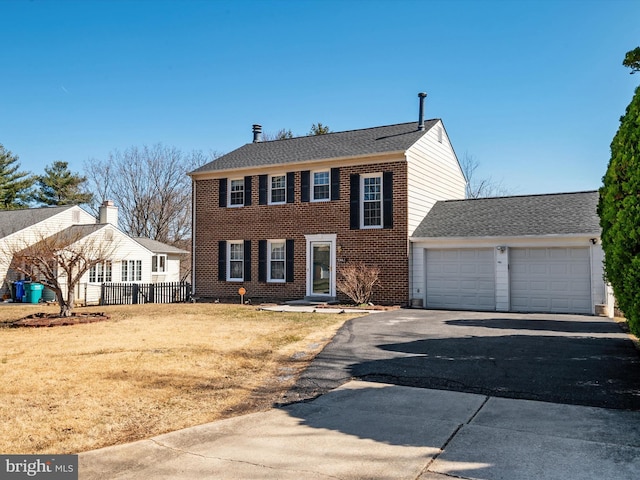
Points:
(149, 370)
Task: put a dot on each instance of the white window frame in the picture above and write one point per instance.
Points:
(133, 269)
(283, 188)
(313, 186)
(283, 260)
(159, 263)
(229, 260)
(362, 199)
(101, 272)
(239, 181)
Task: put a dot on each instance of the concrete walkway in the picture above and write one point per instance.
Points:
(365, 430)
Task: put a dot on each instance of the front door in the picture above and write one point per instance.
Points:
(321, 258)
(320, 268)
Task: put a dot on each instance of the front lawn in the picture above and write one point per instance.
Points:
(149, 370)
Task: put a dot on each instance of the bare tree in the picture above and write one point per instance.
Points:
(60, 260)
(150, 187)
(357, 280)
(483, 187)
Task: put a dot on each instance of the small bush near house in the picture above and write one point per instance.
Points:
(357, 280)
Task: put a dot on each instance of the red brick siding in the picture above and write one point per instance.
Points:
(386, 248)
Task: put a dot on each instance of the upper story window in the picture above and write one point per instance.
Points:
(159, 264)
(100, 273)
(371, 201)
(132, 270)
(235, 260)
(277, 189)
(236, 192)
(276, 249)
(321, 186)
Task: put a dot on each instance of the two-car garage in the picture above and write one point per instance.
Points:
(533, 253)
(555, 279)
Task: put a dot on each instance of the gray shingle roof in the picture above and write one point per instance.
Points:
(158, 247)
(12, 221)
(390, 138)
(550, 214)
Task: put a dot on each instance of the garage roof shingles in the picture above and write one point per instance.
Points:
(352, 143)
(550, 214)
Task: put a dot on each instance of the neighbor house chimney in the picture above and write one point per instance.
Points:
(422, 96)
(108, 213)
(257, 133)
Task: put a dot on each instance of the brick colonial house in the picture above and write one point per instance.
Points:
(280, 217)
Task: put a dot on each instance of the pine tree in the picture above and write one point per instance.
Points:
(60, 187)
(319, 129)
(14, 185)
(619, 211)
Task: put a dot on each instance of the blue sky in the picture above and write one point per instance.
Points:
(532, 89)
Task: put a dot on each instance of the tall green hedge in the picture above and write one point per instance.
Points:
(619, 211)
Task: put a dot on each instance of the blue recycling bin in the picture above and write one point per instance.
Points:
(32, 292)
(18, 291)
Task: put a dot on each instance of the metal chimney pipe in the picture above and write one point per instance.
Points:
(422, 96)
(257, 133)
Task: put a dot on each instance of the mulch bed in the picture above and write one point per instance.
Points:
(53, 320)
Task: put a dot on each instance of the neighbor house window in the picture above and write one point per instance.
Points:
(371, 201)
(132, 270)
(321, 186)
(235, 260)
(276, 249)
(159, 264)
(278, 189)
(236, 192)
(100, 273)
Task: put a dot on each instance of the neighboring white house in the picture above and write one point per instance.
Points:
(533, 253)
(133, 260)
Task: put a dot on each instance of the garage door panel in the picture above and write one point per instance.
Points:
(550, 280)
(460, 279)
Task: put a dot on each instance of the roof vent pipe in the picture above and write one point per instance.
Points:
(257, 133)
(422, 96)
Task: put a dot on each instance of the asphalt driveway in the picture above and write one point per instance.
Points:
(568, 359)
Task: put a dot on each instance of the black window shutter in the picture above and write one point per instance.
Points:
(387, 199)
(222, 192)
(289, 254)
(354, 202)
(335, 184)
(262, 189)
(247, 191)
(304, 185)
(262, 260)
(291, 183)
(247, 260)
(222, 260)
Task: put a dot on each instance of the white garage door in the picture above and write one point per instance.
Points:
(461, 279)
(550, 280)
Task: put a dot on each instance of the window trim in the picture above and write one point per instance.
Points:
(283, 260)
(155, 263)
(106, 272)
(270, 189)
(230, 191)
(134, 270)
(229, 260)
(312, 185)
(364, 176)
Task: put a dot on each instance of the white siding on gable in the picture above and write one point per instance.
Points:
(433, 174)
(27, 236)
